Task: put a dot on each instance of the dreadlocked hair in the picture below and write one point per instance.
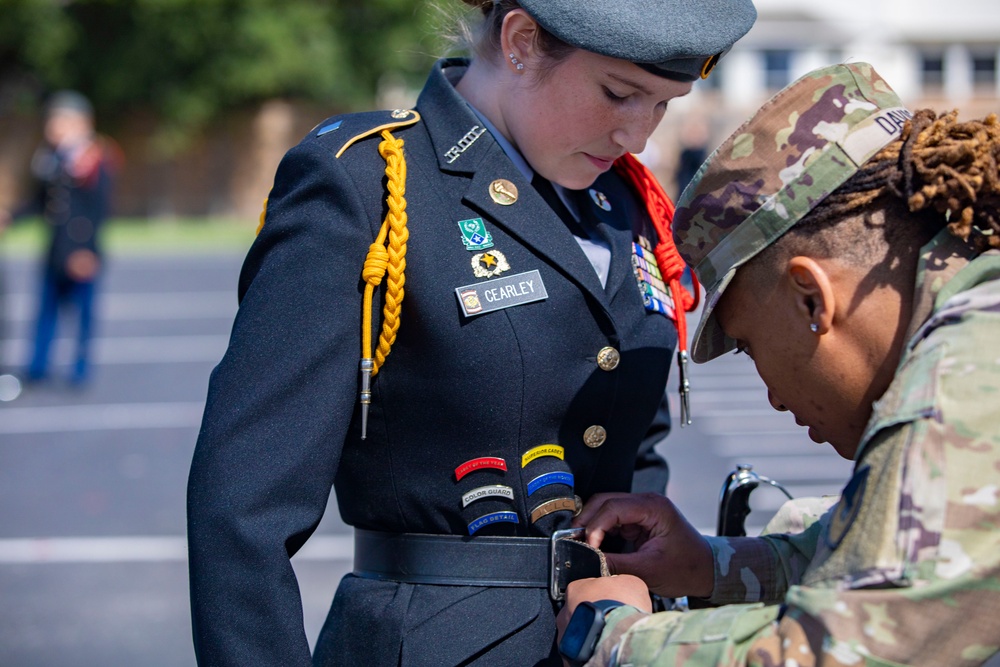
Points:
(938, 165)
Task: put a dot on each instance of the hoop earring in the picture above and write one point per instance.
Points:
(515, 62)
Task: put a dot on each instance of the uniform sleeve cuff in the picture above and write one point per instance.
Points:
(732, 557)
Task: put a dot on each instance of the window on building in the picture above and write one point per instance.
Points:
(932, 71)
(984, 72)
(777, 68)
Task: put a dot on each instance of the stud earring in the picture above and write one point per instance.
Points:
(515, 62)
(814, 327)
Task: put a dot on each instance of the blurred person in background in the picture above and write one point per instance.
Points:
(694, 150)
(528, 359)
(850, 249)
(73, 173)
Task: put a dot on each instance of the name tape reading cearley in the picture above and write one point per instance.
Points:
(479, 298)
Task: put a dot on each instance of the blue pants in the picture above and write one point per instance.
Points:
(56, 291)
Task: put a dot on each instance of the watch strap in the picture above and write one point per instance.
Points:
(602, 609)
(617, 622)
(605, 606)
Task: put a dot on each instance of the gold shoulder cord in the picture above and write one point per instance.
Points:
(380, 260)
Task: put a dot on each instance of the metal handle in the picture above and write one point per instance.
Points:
(734, 499)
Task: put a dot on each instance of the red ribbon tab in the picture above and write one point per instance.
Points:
(478, 464)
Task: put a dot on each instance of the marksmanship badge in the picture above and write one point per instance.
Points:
(489, 264)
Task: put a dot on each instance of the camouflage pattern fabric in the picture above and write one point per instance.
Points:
(905, 568)
(798, 514)
(797, 149)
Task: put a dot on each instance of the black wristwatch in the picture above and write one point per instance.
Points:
(585, 626)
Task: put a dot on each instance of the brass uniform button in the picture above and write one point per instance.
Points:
(595, 436)
(608, 358)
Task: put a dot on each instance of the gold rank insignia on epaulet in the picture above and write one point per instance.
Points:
(396, 118)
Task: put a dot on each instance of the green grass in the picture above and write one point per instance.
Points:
(134, 236)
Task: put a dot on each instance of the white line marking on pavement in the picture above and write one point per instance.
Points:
(92, 549)
(795, 444)
(129, 349)
(146, 306)
(40, 550)
(101, 417)
(713, 398)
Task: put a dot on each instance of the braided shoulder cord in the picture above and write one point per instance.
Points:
(670, 262)
(383, 259)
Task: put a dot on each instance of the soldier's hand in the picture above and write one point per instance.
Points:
(671, 556)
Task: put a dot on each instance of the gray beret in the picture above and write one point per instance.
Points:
(677, 39)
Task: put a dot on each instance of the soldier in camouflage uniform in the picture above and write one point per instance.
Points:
(850, 249)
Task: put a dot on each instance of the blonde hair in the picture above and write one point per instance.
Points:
(483, 39)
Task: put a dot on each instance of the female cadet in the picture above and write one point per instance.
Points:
(851, 251)
(526, 367)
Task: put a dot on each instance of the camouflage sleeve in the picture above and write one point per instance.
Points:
(759, 569)
(704, 637)
(936, 607)
(749, 569)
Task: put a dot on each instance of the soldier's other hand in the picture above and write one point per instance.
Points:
(671, 556)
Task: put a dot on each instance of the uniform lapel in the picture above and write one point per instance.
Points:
(531, 220)
(464, 147)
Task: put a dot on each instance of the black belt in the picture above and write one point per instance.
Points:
(455, 560)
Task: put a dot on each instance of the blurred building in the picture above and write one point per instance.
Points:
(937, 54)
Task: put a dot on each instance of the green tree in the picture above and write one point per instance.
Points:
(187, 62)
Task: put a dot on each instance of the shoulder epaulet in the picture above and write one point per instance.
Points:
(355, 127)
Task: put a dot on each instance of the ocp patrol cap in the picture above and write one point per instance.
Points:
(797, 149)
(678, 39)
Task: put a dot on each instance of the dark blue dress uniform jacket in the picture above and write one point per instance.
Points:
(282, 421)
(74, 207)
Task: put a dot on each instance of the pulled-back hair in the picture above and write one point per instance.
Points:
(484, 40)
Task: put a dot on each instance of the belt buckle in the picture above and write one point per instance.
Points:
(556, 592)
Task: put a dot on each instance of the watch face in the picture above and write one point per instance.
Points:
(581, 634)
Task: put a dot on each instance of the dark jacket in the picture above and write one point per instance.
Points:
(282, 421)
(72, 192)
